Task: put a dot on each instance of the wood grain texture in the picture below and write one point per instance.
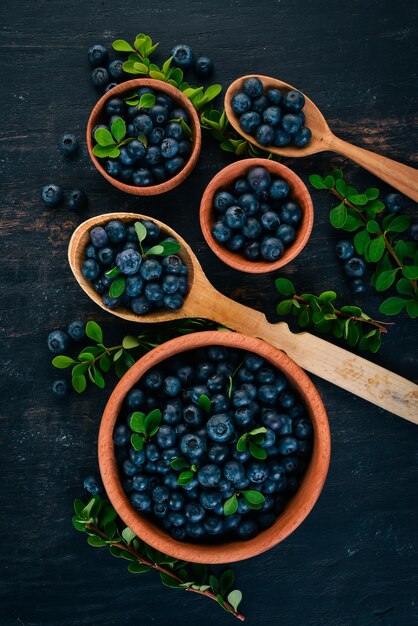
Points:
(353, 562)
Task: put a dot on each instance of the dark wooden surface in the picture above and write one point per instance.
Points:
(354, 560)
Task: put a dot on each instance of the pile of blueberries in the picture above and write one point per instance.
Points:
(58, 342)
(151, 282)
(165, 150)
(274, 118)
(257, 219)
(259, 396)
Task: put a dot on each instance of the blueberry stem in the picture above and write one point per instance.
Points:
(169, 572)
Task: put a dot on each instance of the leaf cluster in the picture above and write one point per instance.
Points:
(252, 498)
(187, 470)
(251, 441)
(144, 427)
(110, 141)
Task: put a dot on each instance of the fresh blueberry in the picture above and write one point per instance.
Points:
(355, 267)
(221, 232)
(128, 262)
(141, 501)
(160, 509)
(185, 148)
(172, 264)
(302, 428)
(110, 86)
(288, 445)
(182, 55)
(60, 387)
(116, 71)
(175, 165)
(52, 195)
(203, 66)
(173, 301)
(249, 122)
(206, 370)
(253, 87)
(114, 106)
(235, 217)
(344, 249)
(210, 499)
(275, 96)
(213, 525)
(165, 437)
(259, 179)
(177, 114)
(302, 137)
(100, 77)
(272, 115)
(90, 269)
(278, 189)
(97, 55)
(358, 285)
(134, 286)
(281, 138)
(232, 521)
(259, 104)
(125, 158)
(113, 168)
(136, 149)
(223, 200)
(93, 485)
(270, 220)
(235, 242)
(265, 134)
(169, 147)
(76, 330)
(291, 123)
(241, 103)
(68, 144)
(151, 270)
(176, 500)
(137, 458)
(241, 186)
(91, 252)
(269, 439)
(249, 203)
(286, 400)
(291, 213)
(393, 202)
(116, 231)
(171, 386)
(220, 402)
(194, 512)
(252, 228)
(247, 529)
(271, 248)
(234, 471)
(192, 415)
(159, 114)
(294, 101)
(286, 234)
(174, 130)
(218, 453)
(192, 445)
(143, 124)
(77, 199)
(160, 494)
(257, 472)
(156, 136)
(152, 452)
(252, 251)
(141, 305)
(219, 427)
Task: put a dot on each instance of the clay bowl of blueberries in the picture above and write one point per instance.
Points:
(214, 447)
(256, 215)
(144, 137)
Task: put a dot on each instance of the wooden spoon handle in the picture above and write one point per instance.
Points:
(336, 365)
(400, 176)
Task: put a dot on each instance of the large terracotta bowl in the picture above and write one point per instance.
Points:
(297, 508)
(223, 181)
(97, 116)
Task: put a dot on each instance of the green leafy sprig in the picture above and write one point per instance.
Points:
(187, 470)
(110, 141)
(144, 427)
(99, 520)
(251, 441)
(378, 238)
(319, 313)
(93, 361)
(252, 498)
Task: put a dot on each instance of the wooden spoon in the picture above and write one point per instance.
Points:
(336, 365)
(396, 174)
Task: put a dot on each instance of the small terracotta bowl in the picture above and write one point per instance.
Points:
(297, 508)
(223, 181)
(97, 117)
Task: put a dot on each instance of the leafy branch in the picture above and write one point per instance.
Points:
(378, 239)
(319, 312)
(98, 519)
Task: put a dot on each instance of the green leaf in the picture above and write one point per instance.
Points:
(165, 248)
(205, 403)
(352, 223)
(104, 137)
(122, 46)
(303, 318)
(128, 535)
(153, 421)
(226, 581)
(372, 193)
(256, 451)
(130, 342)
(317, 181)
(242, 442)
(392, 305)
(284, 286)
(115, 271)
(359, 199)
(102, 152)
(284, 307)
(166, 65)
(96, 542)
(234, 598)
(104, 363)
(137, 441)
(185, 477)
(253, 498)
(62, 362)
(354, 310)
(147, 101)
(372, 226)
(341, 187)
(140, 68)
(338, 216)
(412, 308)
(93, 331)
(117, 288)
(386, 279)
(141, 231)
(79, 383)
(118, 129)
(179, 464)
(169, 581)
(258, 431)
(329, 182)
(327, 296)
(353, 335)
(157, 75)
(404, 287)
(138, 568)
(230, 506)
(214, 583)
(361, 240)
(410, 271)
(137, 422)
(401, 250)
(86, 356)
(376, 249)
(400, 224)
(98, 378)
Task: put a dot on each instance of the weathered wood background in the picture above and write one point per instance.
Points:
(354, 561)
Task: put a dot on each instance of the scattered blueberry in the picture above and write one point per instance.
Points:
(76, 330)
(182, 55)
(58, 341)
(344, 249)
(77, 199)
(393, 202)
(68, 144)
(60, 387)
(354, 267)
(100, 77)
(97, 55)
(52, 195)
(93, 485)
(203, 67)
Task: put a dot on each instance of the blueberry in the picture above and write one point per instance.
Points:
(141, 305)
(302, 428)
(136, 149)
(142, 124)
(174, 130)
(253, 87)
(281, 138)
(100, 77)
(176, 501)
(172, 264)
(52, 195)
(344, 249)
(247, 529)
(110, 86)
(235, 242)
(192, 415)
(235, 217)
(91, 252)
(176, 518)
(286, 400)
(275, 96)
(194, 512)
(393, 202)
(151, 270)
(169, 147)
(97, 55)
(128, 261)
(249, 122)
(203, 67)
(90, 269)
(302, 137)
(287, 445)
(218, 453)
(114, 106)
(358, 286)
(265, 375)
(93, 485)
(185, 374)
(234, 471)
(270, 220)
(240, 398)
(219, 427)
(170, 453)
(116, 71)
(217, 382)
(232, 521)
(286, 234)
(134, 286)
(291, 213)
(153, 380)
(241, 186)
(241, 102)
(125, 158)
(129, 468)
(171, 386)
(185, 148)
(160, 494)
(152, 452)
(294, 101)
(278, 189)
(137, 458)
(252, 228)
(175, 165)
(269, 439)
(206, 370)
(213, 525)
(291, 123)
(76, 330)
(192, 445)
(223, 200)
(271, 248)
(259, 104)
(178, 533)
(259, 178)
(265, 134)
(113, 168)
(68, 144)
(221, 232)
(257, 472)
(60, 387)
(160, 509)
(217, 354)
(173, 302)
(182, 55)
(99, 287)
(249, 203)
(354, 267)
(252, 251)
(220, 402)
(194, 531)
(159, 114)
(116, 231)
(153, 231)
(143, 177)
(141, 501)
(272, 115)
(77, 199)
(165, 437)
(413, 232)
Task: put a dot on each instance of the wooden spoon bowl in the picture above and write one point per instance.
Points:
(97, 116)
(400, 176)
(224, 181)
(297, 508)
